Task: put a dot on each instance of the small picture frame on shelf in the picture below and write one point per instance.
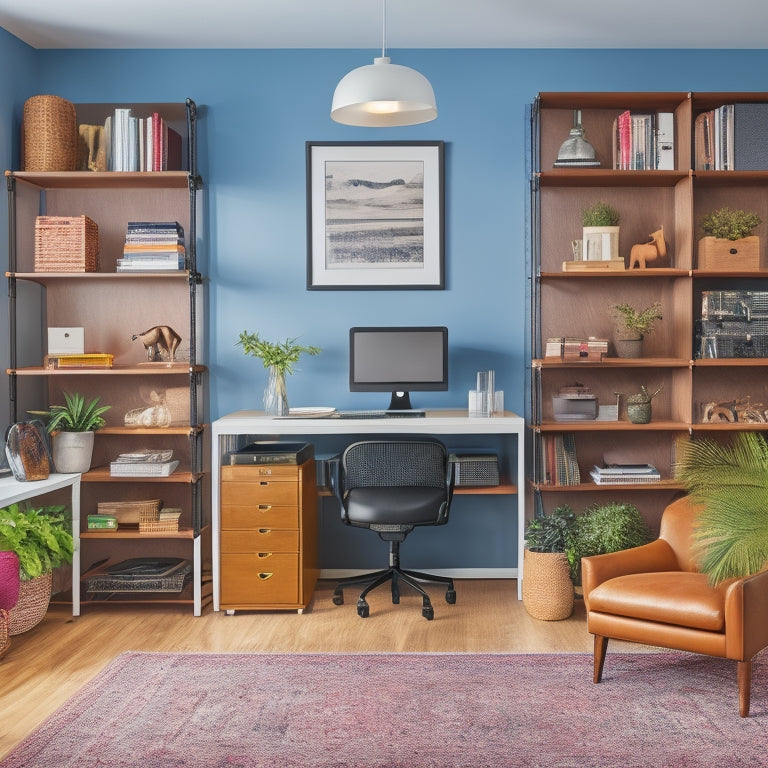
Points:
(375, 215)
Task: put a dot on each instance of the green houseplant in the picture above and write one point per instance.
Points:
(728, 241)
(730, 481)
(72, 426)
(604, 528)
(600, 232)
(279, 358)
(547, 587)
(42, 540)
(633, 325)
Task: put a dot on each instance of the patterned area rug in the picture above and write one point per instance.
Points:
(160, 710)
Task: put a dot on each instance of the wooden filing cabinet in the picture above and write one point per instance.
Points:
(268, 536)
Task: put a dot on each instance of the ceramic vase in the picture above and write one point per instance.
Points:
(72, 451)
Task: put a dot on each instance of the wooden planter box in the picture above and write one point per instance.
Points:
(717, 253)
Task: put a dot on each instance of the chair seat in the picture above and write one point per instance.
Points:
(673, 597)
(401, 505)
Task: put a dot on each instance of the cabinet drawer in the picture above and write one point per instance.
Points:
(252, 516)
(255, 580)
(259, 540)
(249, 473)
(285, 492)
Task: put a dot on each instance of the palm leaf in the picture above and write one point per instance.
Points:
(730, 482)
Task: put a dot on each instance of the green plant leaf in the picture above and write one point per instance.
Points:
(282, 355)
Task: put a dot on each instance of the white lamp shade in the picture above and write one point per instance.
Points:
(383, 94)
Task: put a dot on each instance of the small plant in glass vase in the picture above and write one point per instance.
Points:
(600, 232)
(729, 242)
(632, 326)
(279, 358)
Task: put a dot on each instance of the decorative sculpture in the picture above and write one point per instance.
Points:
(645, 252)
(160, 337)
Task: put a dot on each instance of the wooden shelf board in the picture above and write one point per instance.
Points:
(142, 369)
(102, 475)
(182, 430)
(46, 277)
(103, 179)
(606, 177)
(662, 485)
(730, 426)
(502, 489)
(614, 362)
(632, 274)
(611, 426)
(649, 100)
(731, 362)
(132, 532)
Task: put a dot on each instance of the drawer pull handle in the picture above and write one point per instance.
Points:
(264, 554)
(265, 530)
(265, 575)
(263, 482)
(265, 506)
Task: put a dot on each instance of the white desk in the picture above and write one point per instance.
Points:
(435, 423)
(12, 491)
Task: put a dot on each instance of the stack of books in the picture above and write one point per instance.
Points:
(557, 461)
(152, 246)
(143, 464)
(732, 138)
(625, 474)
(141, 143)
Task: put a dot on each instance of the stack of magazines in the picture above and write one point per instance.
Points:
(625, 474)
(152, 246)
(145, 463)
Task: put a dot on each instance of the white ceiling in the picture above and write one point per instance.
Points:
(741, 24)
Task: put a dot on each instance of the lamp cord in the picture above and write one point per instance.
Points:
(383, 28)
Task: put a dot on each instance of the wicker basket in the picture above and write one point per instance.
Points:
(547, 586)
(131, 512)
(34, 596)
(66, 244)
(50, 134)
(5, 637)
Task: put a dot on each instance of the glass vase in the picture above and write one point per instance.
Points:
(275, 393)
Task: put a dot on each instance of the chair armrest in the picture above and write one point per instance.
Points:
(746, 616)
(649, 558)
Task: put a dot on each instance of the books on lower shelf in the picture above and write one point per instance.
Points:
(557, 463)
(625, 474)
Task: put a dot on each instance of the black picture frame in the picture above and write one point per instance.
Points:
(375, 215)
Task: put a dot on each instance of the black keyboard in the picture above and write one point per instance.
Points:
(378, 414)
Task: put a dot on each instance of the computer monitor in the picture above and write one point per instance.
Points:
(398, 360)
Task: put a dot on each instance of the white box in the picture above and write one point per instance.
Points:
(66, 341)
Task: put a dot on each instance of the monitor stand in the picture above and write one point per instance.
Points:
(401, 401)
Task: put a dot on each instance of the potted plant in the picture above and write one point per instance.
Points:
(730, 481)
(279, 358)
(603, 528)
(728, 242)
(42, 540)
(600, 232)
(72, 426)
(632, 326)
(547, 585)
(639, 409)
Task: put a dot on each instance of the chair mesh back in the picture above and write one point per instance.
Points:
(395, 463)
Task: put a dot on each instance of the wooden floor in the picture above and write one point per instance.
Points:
(48, 664)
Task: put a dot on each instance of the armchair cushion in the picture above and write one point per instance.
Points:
(672, 597)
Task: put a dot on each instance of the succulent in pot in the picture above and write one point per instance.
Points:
(633, 325)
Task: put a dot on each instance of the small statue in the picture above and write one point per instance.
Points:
(161, 337)
(645, 252)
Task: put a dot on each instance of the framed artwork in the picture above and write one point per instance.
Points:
(375, 215)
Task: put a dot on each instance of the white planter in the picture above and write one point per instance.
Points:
(72, 451)
(600, 243)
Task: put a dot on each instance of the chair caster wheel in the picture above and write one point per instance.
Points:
(363, 610)
(338, 599)
(450, 596)
(428, 612)
(395, 598)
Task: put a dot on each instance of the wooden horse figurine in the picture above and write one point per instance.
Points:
(645, 252)
(157, 338)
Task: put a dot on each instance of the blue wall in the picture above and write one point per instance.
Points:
(259, 107)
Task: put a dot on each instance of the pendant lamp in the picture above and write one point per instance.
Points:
(383, 94)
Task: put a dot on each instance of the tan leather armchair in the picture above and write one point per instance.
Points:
(656, 595)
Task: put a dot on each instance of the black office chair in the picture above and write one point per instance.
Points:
(391, 486)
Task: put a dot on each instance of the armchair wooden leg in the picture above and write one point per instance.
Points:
(601, 646)
(744, 675)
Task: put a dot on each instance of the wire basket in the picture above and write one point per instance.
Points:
(50, 134)
(66, 244)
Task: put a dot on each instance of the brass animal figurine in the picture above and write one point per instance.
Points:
(161, 337)
(642, 253)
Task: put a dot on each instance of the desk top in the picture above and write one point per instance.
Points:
(434, 422)
(13, 490)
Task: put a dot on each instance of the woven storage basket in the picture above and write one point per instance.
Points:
(547, 586)
(66, 244)
(50, 134)
(5, 638)
(34, 596)
(149, 522)
(131, 512)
